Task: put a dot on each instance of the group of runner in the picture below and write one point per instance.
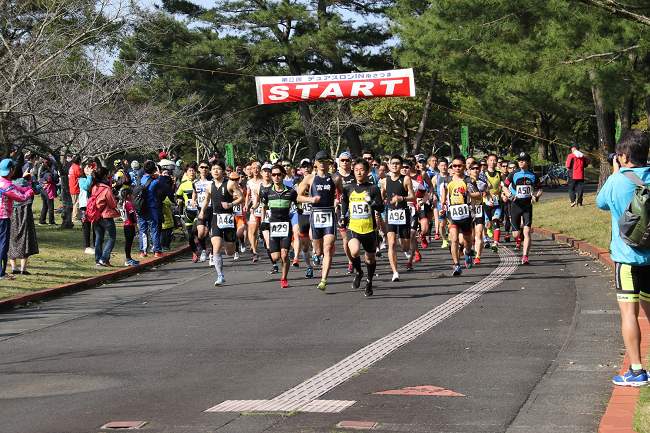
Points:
(299, 211)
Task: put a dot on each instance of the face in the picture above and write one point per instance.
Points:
(469, 162)
(492, 162)
(247, 170)
(433, 161)
(276, 176)
(511, 167)
(484, 166)
(228, 171)
(474, 171)
(406, 170)
(457, 167)
(345, 163)
(266, 174)
(191, 173)
(394, 165)
(360, 173)
(523, 164)
(287, 166)
(368, 157)
(322, 164)
(442, 166)
(204, 169)
(217, 172)
(255, 170)
(422, 165)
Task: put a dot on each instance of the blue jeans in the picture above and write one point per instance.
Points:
(149, 222)
(104, 225)
(5, 234)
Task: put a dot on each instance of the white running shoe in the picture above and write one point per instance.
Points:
(203, 256)
(242, 248)
(211, 259)
(395, 276)
(236, 256)
(90, 250)
(383, 246)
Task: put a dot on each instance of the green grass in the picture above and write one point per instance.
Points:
(641, 421)
(62, 258)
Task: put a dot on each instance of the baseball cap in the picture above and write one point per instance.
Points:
(162, 155)
(305, 161)
(179, 162)
(348, 154)
(5, 166)
(117, 162)
(523, 156)
(575, 146)
(234, 176)
(265, 166)
(135, 165)
(321, 155)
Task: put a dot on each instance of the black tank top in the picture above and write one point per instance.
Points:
(221, 194)
(326, 189)
(347, 180)
(395, 187)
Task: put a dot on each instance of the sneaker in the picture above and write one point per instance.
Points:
(236, 256)
(486, 242)
(284, 283)
(436, 237)
(242, 248)
(7, 277)
(316, 259)
(195, 258)
(15, 271)
(378, 252)
(477, 261)
(89, 250)
(507, 238)
(310, 273)
(275, 270)
(490, 233)
(573, 204)
(524, 260)
(409, 267)
(256, 258)
(468, 261)
(350, 268)
(291, 254)
(166, 250)
(26, 272)
(357, 280)
(429, 238)
(423, 241)
(296, 263)
(322, 285)
(417, 256)
(495, 248)
(445, 244)
(204, 255)
(579, 204)
(131, 262)
(368, 291)
(220, 280)
(333, 249)
(162, 255)
(211, 259)
(395, 277)
(105, 264)
(143, 255)
(457, 271)
(629, 378)
(383, 246)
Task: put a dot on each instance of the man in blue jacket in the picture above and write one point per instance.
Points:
(149, 220)
(632, 270)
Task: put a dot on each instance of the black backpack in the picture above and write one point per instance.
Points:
(634, 223)
(140, 200)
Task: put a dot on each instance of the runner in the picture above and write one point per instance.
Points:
(255, 212)
(478, 211)
(460, 191)
(220, 196)
(322, 187)
(290, 181)
(419, 217)
(439, 184)
(520, 185)
(277, 200)
(264, 225)
(184, 196)
(240, 216)
(511, 167)
(396, 191)
(493, 204)
(347, 178)
(304, 218)
(201, 185)
(359, 201)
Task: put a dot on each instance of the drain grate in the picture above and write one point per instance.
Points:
(335, 375)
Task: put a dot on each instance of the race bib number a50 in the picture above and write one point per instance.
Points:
(459, 211)
(279, 229)
(225, 221)
(323, 220)
(524, 191)
(396, 217)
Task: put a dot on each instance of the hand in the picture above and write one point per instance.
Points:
(461, 190)
(342, 222)
(533, 199)
(201, 215)
(224, 205)
(315, 199)
(395, 199)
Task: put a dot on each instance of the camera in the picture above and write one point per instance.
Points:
(611, 158)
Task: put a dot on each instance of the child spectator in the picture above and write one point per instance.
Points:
(168, 222)
(130, 225)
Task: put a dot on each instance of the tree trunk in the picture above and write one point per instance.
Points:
(406, 137)
(305, 114)
(625, 114)
(351, 133)
(425, 115)
(606, 130)
(647, 110)
(544, 133)
(66, 199)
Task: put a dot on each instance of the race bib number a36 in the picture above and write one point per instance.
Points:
(459, 211)
(359, 210)
(323, 220)
(396, 217)
(524, 191)
(225, 221)
(279, 229)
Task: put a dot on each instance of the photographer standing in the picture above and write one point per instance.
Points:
(632, 270)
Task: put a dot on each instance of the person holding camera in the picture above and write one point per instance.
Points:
(632, 265)
(576, 162)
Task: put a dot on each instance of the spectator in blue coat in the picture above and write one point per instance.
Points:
(149, 221)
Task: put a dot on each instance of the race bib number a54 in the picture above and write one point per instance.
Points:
(396, 217)
(306, 208)
(359, 210)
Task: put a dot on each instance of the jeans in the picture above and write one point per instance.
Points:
(149, 222)
(104, 225)
(576, 186)
(5, 234)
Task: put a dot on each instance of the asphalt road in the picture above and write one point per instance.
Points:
(535, 353)
(563, 191)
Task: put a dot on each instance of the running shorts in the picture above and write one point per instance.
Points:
(464, 225)
(403, 230)
(303, 225)
(517, 211)
(321, 232)
(492, 212)
(208, 214)
(630, 280)
(278, 244)
(367, 240)
(228, 235)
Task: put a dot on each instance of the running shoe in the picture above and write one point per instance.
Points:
(632, 379)
(378, 252)
(211, 259)
(428, 238)
(256, 258)
(477, 260)
(291, 254)
(157, 255)
(9, 277)
(350, 268)
(195, 258)
(395, 277)
(423, 241)
(437, 237)
(333, 249)
(204, 255)
(383, 245)
(457, 271)
(417, 256)
(507, 238)
(495, 248)
(105, 264)
(445, 244)
(242, 248)
(284, 283)
(296, 263)
(275, 270)
(468, 261)
(518, 245)
(490, 233)
(357, 280)
(368, 291)
(236, 256)
(524, 260)
(220, 281)
(89, 250)
(131, 262)
(573, 204)
(409, 267)
(316, 259)
(143, 255)
(310, 273)
(322, 285)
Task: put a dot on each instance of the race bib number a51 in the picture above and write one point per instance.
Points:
(396, 217)
(225, 221)
(359, 210)
(279, 229)
(459, 211)
(323, 220)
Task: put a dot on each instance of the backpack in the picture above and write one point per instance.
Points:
(634, 223)
(140, 202)
(93, 213)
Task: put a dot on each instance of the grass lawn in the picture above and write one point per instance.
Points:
(62, 258)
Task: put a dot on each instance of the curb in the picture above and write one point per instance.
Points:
(76, 286)
(619, 414)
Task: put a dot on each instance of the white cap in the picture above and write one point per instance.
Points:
(265, 166)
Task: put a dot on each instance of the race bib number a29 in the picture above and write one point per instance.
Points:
(225, 221)
(279, 229)
(323, 220)
(396, 217)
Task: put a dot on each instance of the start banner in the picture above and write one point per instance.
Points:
(380, 84)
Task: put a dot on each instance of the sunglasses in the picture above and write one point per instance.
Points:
(375, 165)
(204, 167)
(512, 166)
(286, 165)
(458, 165)
(483, 165)
(344, 160)
(276, 174)
(474, 168)
(395, 162)
(368, 158)
(323, 161)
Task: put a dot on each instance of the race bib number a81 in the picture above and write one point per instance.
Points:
(225, 221)
(459, 211)
(323, 220)
(524, 191)
(359, 210)
(396, 217)
(279, 229)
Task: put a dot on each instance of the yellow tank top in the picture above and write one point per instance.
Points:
(361, 220)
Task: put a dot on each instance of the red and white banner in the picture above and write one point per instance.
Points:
(380, 84)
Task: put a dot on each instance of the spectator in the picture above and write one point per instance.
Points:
(130, 225)
(19, 160)
(100, 188)
(179, 171)
(10, 192)
(121, 177)
(30, 166)
(135, 172)
(48, 179)
(165, 195)
(162, 155)
(84, 187)
(576, 162)
(148, 221)
(74, 173)
(23, 241)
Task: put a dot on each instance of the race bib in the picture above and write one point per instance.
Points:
(189, 205)
(306, 208)
(412, 210)
(459, 211)
(478, 211)
(258, 211)
(323, 220)
(200, 198)
(524, 191)
(495, 200)
(359, 210)
(396, 217)
(225, 221)
(267, 215)
(279, 229)
(236, 210)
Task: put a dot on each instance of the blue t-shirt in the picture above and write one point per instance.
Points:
(614, 196)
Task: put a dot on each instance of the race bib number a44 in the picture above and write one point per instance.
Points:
(396, 217)
(323, 220)
(225, 221)
(279, 229)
